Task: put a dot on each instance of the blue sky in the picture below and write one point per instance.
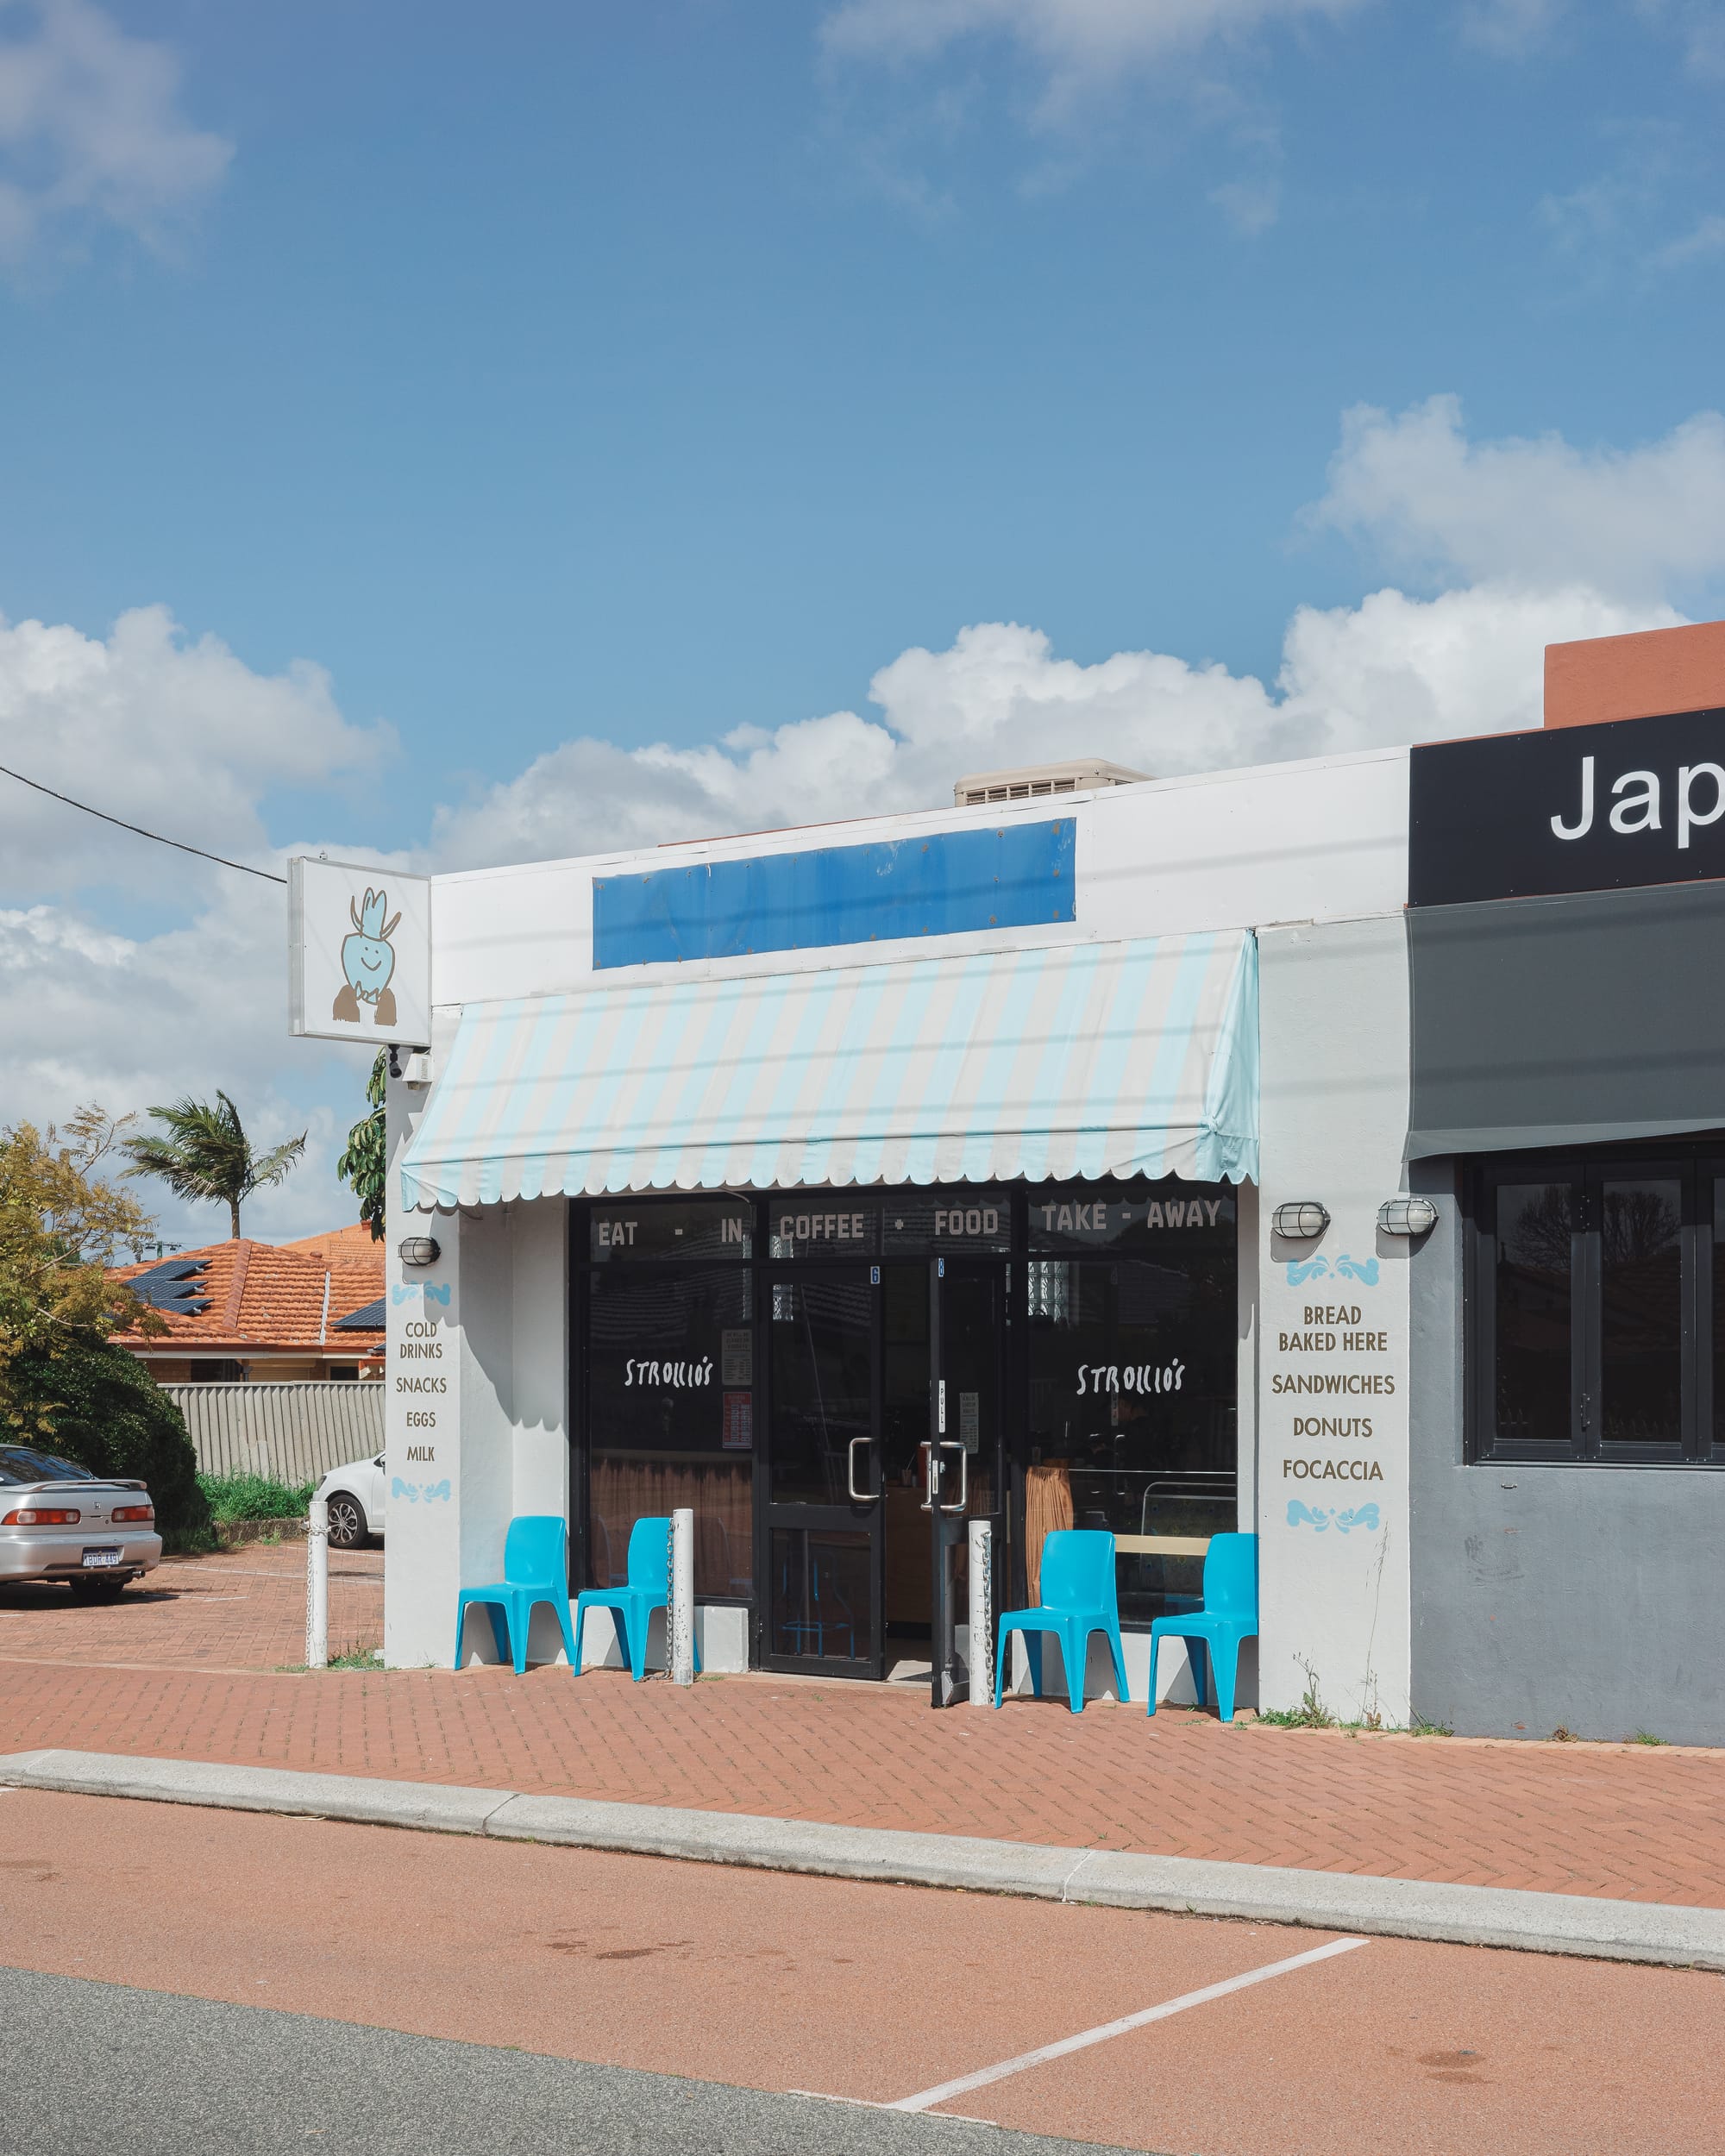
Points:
(485, 397)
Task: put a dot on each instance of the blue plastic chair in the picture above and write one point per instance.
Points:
(799, 1629)
(536, 1569)
(648, 1589)
(1229, 1615)
(1078, 1598)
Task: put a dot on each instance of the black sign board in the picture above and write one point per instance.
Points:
(1581, 808)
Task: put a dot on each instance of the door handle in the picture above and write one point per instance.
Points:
(861, 1496)
(951, 1444)
(932, 1478)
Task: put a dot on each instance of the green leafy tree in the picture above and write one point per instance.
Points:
(204, 1153)
(63, 1382)
(59, 1223)
(97, 1404)
(363, 1164)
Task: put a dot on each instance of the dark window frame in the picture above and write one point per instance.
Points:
(585, 1273)
(1697, 1168)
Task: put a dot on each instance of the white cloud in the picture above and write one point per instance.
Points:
(1251, 206)
(1698, 29)
(1075, 48)
(131, 1021)
(180, 736)
(1510, 28)
(1537, 513)
(1541, 544)
(1704, 239)
(1394, 668)
(1073, 37)
(166, 731)
(91, 128)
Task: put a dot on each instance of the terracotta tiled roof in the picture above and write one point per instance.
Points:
(338, 1246)
(259, 1296)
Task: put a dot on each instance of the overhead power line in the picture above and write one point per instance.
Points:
(179, 844)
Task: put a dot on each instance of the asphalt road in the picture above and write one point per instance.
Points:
(236, 1982)
(93, 2066)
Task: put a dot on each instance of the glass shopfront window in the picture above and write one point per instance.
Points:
(793, 1332)
(822, 1335)
(1133, 1380)
(671, 1395)
(1597, 1307)
(823, 1223)
(953, 1220)
(642, 1228)
(1537, 1226)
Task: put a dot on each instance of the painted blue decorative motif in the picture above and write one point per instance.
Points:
(415, 1290)
(947, 884)
(431, 1493)
(1364, 1270)
(1365, 1517)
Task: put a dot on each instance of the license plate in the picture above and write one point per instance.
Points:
(92, 1558)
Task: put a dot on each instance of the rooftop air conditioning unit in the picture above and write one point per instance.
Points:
(1035, 779)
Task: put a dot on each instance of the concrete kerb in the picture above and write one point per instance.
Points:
(1654, 1933)
(428, 1806)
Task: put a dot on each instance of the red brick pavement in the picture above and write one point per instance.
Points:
(242, 1610)
(1625, 1821)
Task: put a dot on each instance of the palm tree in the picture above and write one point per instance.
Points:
(362, 1163)
(206, 1154)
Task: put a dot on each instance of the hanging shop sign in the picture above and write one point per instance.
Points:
(1581, 808)
(359, 953)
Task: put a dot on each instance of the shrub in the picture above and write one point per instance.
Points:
(255, 1497)
(108, 1414)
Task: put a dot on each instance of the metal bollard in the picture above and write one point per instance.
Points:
(981, 1613)
(680, 1610)
(317, 1586)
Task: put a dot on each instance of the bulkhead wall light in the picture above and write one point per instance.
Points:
(1300, 1221)
(1407, 1216)
(419, 1250)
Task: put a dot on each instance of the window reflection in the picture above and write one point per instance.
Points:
(1535, 1224)
(1641, 1340)
(822, 1337)
(1132, 1413)
(671, 1384)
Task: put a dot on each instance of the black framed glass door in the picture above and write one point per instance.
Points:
(823, 1527)
(970, 1318)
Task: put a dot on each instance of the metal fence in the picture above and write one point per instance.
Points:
(292, 1432)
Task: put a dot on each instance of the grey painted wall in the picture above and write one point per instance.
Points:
(1590, 1598)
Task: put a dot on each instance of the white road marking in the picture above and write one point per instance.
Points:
(929, 2097)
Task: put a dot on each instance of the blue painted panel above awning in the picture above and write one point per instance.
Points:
(1057, 1061)
(946, 883)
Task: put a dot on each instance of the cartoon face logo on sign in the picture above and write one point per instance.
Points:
(367, 960)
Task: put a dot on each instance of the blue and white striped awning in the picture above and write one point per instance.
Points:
(1058, 1061)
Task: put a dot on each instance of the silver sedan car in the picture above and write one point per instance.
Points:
(58, 1521)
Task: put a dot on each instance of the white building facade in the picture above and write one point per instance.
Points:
(748, 1193)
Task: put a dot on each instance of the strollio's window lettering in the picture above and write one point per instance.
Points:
(1144, 1377)
(1087, 1345)
(672, 1374)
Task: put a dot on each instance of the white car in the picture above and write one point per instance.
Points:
(355, 1496)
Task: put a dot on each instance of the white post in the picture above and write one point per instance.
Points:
(679, 1614)
(317, 1586)
(981, 1613)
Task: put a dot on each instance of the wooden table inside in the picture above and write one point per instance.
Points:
(1161, 1545)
